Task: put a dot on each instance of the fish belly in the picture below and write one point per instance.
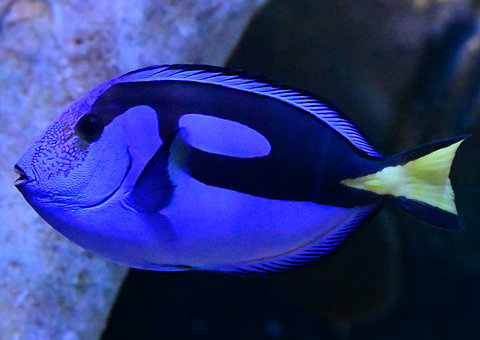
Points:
(215, 226)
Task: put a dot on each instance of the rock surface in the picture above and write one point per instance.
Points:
(51, 52)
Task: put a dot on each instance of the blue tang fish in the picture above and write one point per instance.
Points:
(181, 167)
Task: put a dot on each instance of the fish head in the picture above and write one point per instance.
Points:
(77, 162)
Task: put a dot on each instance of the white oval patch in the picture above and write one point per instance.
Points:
(223, 137)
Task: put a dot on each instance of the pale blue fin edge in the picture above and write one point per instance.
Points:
(256, 84)
(315, 251)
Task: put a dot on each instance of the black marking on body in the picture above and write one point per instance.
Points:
(307, 156)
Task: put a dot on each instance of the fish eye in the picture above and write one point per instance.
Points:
(89, 127)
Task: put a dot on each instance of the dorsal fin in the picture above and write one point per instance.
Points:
(256, 84)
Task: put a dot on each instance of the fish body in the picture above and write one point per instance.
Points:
(179, 167)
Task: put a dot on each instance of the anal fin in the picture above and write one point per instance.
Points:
(313, 251)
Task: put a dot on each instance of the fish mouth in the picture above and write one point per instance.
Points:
(23, 179)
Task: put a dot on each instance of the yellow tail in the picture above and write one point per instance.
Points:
(419, 181)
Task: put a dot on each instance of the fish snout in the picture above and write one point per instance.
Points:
(23, 179)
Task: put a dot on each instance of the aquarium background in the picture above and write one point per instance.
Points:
(407, 72)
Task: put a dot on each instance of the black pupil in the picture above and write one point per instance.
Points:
(90, 127)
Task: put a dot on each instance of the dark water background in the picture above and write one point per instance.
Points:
(406, 76)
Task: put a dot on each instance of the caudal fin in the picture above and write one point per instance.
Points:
(418, 180)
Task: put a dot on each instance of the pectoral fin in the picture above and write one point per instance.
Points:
(154, 189)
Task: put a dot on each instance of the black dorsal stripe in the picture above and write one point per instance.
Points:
(304, 150)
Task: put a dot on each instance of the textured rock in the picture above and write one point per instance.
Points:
(51, 52)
